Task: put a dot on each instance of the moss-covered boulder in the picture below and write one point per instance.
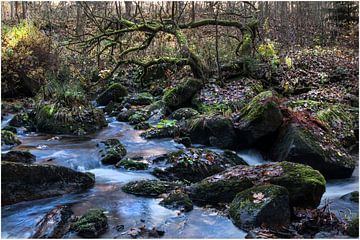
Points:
(138, 117)
(115, 93)
(18, 156)
(266, 205)
(125, 114)
(163, 132)
(353, 229)
(260, 118)
(305, 185)
(149, 188)
(92, 224)
(142, 126)
(9, 138)
(132, 164)
(23, 182)
(214, 130)
(352, 197)
(78, 120)
(183, 113)
(181, 95)
(178, 200)
(10, 129)
(143, 98)
(296, 143)
(112, 151)
(20, 120)
(193, 165)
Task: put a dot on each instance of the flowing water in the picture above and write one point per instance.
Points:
(80, 153)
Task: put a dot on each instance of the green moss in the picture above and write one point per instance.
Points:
(9, 138)
(115, 92)
(149, 187)
(11, 129)
(353, 229)
(257, 106)
(178, 200)
(114, 151)
(91, 224)
(131, 164)
(138, 117)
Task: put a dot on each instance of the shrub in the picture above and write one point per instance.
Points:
(25, 57)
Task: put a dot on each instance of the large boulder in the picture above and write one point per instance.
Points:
(149, 188)
(183, 113)
(194, 164)
(92, 224)
(18, 156)
(112, 151)
(260, 118)
(80, 120)
(182, 94)
(212, 130)
(143, 98)
(9, 138)
(115, 93)
(177, 200)
(266, 205)
(125, 115)
(305, 185)
(23, 182)
(296, 143)
(162, 132)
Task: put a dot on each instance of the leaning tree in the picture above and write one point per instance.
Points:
(111, 33)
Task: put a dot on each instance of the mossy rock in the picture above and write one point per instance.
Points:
(9, 138)
(178, 200)
(20, 120)
(352, 196)
(305, 185)
(10, 129)
(24, 182)
(115, 93)
(113, 108)
(266, 205)
(353, 229)
(79, 120)
(142, 126)
(214, 130)
(112, 152)
(18, 156)
(260, 118)
(192, 165)
(132, 165)
(143, 98)
(149, 188)
(297, 144)
(138, 117)
(92, 224)
(156, 107)
(125, 115)
(181, 95)
(183, 113)
(165, 132)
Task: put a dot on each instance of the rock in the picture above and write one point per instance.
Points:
(178, 200)
(9, 138)
(234, 157)
(138, 117)
(258, 119)
(125, 114)
(10, 129)
(186, 141)
(305, 185)
(115, 92)
(132, 165)
(353, 229)
(18, 156)
(165, 132)
(192, 165)
(143, 98)
(149, 188)
(65, 120)
(113, 107)
(181, 95)
(24, 182)
(54, 224)
(142, 126)
(112, 151)
(215, 130)
(297, 144)
(92, 224)
(352, 196)
(20, 120)
(183, 113)
(266, 205)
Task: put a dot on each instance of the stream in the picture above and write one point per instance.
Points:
(80, 153)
